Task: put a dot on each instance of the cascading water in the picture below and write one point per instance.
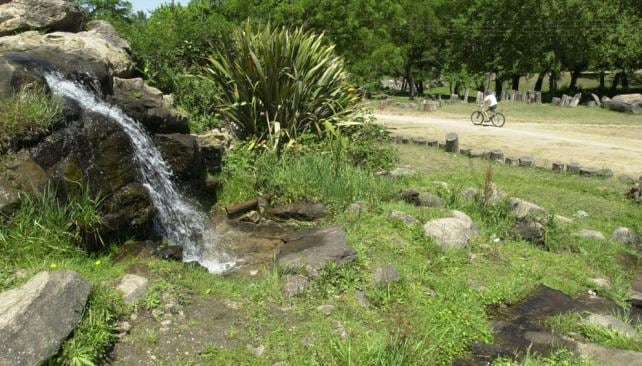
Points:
(178, 221)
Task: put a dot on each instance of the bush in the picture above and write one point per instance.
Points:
(30, 112)
(276, 84)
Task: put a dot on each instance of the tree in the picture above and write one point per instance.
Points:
(120, 10)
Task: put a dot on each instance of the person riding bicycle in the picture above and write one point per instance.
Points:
(491, 101)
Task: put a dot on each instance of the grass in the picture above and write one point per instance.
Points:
(30, 111)
(572, 323)
(430, 316)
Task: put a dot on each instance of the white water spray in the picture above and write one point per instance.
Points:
(179, 222)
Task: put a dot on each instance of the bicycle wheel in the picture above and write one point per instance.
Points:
(477, 118)
(498, 119)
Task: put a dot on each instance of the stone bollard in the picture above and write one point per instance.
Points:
(405, 140)
(486, 154)
(475, 154)
(511, 160)
(419, 140)
(497, 155)
(464, 151)
(526, 161)
(573, 168)
(588, 171)
(452, 142)
(558, 167)
(432, 143)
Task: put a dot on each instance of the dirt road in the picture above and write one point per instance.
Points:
(618, 147)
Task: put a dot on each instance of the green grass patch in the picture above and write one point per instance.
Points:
(30, 111)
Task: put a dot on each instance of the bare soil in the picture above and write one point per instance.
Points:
(614, 146)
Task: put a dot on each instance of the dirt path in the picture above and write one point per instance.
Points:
(618, 147)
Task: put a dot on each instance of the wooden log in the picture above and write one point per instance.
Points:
(452, 142)
(246, 206)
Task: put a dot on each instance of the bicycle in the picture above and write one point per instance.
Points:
(497, 118)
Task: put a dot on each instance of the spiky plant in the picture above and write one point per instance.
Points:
(276, 83)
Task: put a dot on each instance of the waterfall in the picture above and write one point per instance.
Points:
(178, 221)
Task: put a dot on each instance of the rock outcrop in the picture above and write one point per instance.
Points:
(36, 318)
(39, 15)
(451, 232)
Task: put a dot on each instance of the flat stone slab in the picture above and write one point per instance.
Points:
(612, 323)
(312, 248)
(36, 318)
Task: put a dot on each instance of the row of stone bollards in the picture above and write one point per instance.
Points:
(451, 144)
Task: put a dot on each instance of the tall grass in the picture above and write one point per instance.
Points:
(29, 111)
(44, 228)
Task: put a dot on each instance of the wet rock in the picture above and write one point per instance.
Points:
(326, 309)
(590, 235)
(26, 175)
(36, 318)
(212, 146)
(299, 211)
(149, 106)
(407, 219)
(39, 15)
(252, 216)
(427, 199)
(523, 209)
(612, 323)
(182, 154)
(133, 288)
(625, 236)
(312, 248)
(451, 232)
(294, 285)
(401, 172)
(385, 275)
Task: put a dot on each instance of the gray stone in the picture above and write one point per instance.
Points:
(590, 235)
(451, 232)
(182, 153)
(601, 283)
(511, 160)
(362, 299)
(355, 210)
(580, 214)
(326, 309)
(573, 167)
(385, 275)
(133, 288)
(526, 161)
(252, 216)
(41, 15)
(407, 219)
(609, 356)
(148, 105)
(294, 285)
(490, 195)
(563, 220)
(302, 211)
(612, 323)
(475, 154)
(402, 172)
(469, 194)
(625, 236)
(558, 166)
(312, 248)
(530, 230)
(427, 199)
(36, 318)
(9, 198)
(463, 217)
(523, 209)
(627, 179)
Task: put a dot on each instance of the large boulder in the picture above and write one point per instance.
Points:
(311, 249)
(631, 103)
(451, 232)
(41, 15)
(148, 105)
(9, 198)
(523, 209)
(96, 152)
(212, 146)
(36, 318)
(73, 53)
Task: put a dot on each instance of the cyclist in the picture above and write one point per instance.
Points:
(491, 101)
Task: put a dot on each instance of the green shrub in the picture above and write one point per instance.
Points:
(30, 111)
(276, 84)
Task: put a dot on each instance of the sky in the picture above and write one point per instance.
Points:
(148, 5)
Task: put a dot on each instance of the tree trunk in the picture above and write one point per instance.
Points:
(420, 87)
(602, 80)
(456, 91)
(553, 83)
(411, 85)
(539, 82)
(575, 74)
(625, 80)
(515, 82)
(616, 80)
(498, 86)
